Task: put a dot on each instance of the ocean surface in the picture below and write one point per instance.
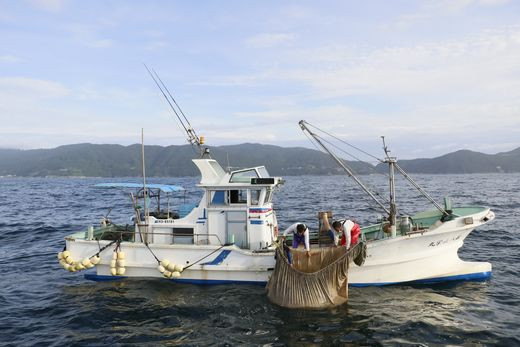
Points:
(41, 304)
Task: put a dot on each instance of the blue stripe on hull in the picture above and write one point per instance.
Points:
(106, 278)
(219, 259)
(479, 276)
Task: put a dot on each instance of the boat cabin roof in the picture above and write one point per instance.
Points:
(214, 176)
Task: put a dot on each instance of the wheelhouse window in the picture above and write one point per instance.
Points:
(238, 196)
(255, 197)
(263, 172)
(268, 196)
(219, 197)
(243, 176)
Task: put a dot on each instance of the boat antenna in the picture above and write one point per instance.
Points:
(228, 166)
(303, 125)
(192, 136)
(145, 194)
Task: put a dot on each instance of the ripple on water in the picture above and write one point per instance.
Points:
(41, 304)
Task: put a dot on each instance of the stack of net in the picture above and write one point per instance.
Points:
(318, 281)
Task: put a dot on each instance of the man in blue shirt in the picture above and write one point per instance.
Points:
(300, 236)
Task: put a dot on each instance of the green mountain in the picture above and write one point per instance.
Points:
(463, 161)
(125, 161)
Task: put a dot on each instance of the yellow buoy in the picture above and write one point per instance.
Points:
(179, 267)
(114, 255)
(69, 260)
(120, 263)
(167, 274)
(65, 254)
(113, 271)
(89, 266)
(86, 262)
(95, 260)
(78, 266)
(161, 268)
(121, 271)
(176, 274)
(121, 255)
(165, 263)
(113, 263)
(63, 262)
(171, 267)
(60, 255)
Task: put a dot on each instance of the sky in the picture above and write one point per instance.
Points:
(431, 76)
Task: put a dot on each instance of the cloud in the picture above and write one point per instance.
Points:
(100, 43)
(437, 9)
(268, 40)
(9, 59)
(48, 5)
(31, 88)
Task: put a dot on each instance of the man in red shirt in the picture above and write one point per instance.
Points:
(345, 233)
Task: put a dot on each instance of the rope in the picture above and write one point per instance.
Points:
(106, 246)
(158, 261)
(218, 249)
(351, 155)
(348, 144)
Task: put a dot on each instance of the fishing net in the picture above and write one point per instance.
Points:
(318, 281)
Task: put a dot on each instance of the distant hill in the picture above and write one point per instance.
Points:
(125, 161)
(463, 161)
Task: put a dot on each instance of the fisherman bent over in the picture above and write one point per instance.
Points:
(346, 233)
(300, 236)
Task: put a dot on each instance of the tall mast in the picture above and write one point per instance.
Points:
(391, 176)
(145, 194)
(345, 167)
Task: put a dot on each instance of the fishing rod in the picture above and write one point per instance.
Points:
(193, 138)
(175, 102)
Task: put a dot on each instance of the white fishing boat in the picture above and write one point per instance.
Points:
(422, 248)
(229, 236)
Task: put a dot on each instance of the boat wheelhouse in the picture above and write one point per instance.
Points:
(227, 237)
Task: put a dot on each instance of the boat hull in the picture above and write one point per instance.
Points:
(418, 257)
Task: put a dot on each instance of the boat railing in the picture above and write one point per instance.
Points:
(112, 233)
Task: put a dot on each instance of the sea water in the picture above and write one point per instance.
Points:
(42, 304)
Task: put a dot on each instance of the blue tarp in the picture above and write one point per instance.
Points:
(166, 188)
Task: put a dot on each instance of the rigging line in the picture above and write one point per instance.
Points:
(315, 146)
(164, 94)
(348, 144)
(171, 113)
(345, 167)
(146, 244)
(171, 96)
(421, 190)
(351, 155)
(375, 191)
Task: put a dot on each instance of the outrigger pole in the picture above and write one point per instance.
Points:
(345, 167)
(193, 138)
